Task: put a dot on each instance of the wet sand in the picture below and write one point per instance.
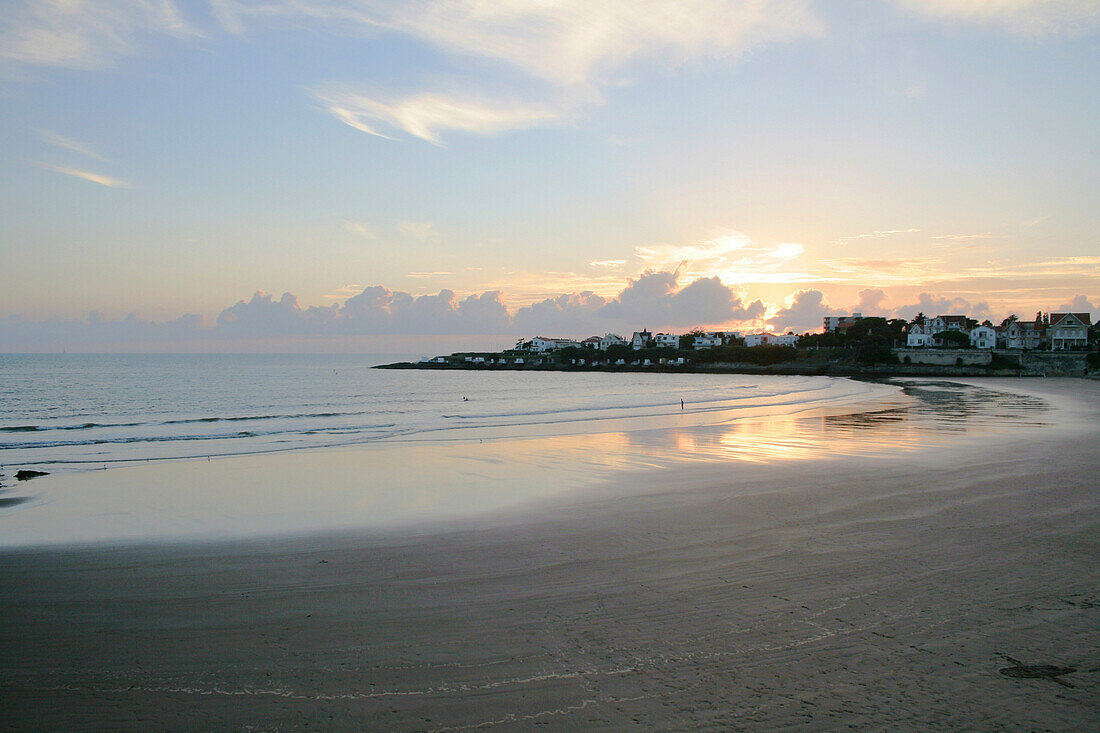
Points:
(878, 591)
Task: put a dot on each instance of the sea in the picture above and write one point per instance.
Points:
(148, 447)
(75, 411)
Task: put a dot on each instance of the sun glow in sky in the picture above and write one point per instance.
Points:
(487, 170)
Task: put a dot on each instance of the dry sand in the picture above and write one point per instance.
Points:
(883, 593)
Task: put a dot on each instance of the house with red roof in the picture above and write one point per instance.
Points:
(1069, 330)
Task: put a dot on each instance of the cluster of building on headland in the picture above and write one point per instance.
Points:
(1055, 331)
(946, 340)
(644, 339)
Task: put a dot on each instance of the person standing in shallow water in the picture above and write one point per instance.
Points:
(681, 403)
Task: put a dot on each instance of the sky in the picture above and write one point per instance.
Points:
(363, 175)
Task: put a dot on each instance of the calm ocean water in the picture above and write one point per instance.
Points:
(85, 410)
(408, 446)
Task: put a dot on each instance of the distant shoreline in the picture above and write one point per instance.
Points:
(901, 362)
(814, 370)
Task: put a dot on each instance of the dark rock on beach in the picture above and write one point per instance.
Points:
(27, 474)
(1050, 672)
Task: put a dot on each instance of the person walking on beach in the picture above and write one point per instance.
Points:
(681, 403)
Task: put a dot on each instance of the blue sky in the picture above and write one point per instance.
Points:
(162, 159)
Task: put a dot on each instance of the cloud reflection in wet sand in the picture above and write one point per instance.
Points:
(423, 482)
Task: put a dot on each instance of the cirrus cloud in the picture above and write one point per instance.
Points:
(85, 35)
(733, 256)
(102, 180)
(428, 115)
(560, 53)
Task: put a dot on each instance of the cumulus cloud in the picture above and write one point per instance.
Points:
(654, 300)
(657, 300)
(933, 305)
(803, 312)
(263, 316)
(1021, 17)
(1079, 304)
(378, 310)
(22, 334)
(806, 309)
(870, 300)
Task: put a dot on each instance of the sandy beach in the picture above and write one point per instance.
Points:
(911, 589)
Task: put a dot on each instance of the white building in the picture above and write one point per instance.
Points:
(592, 342)
(841, 323)
(1069, 330)
(771, 339)
(667, 340)
(1023, 335)
(783, 339)
(708, 341)
(640, 340)
(983, 337)
(939, 324)
(611, 339)
(541, 344)
(919, 334)
(925, 334)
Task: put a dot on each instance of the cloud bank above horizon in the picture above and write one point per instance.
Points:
(656, 300)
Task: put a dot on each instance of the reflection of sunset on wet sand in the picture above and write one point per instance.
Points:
(876, 570)
(390, 484)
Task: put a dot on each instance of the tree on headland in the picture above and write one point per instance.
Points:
(619, 351)
(874, 349)
(569, 353)
(827, 340)
(892, 330)
(687, 341)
